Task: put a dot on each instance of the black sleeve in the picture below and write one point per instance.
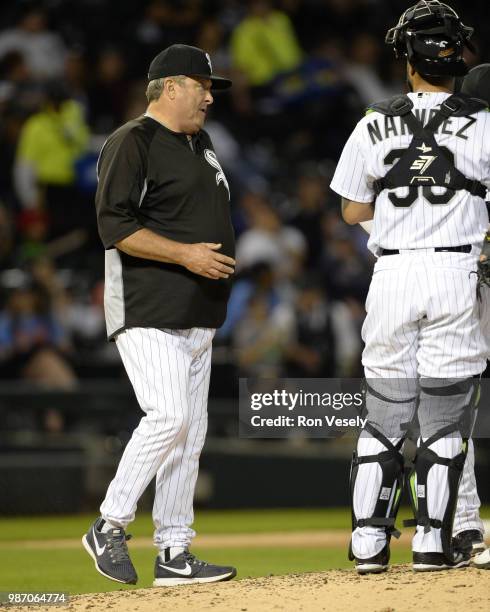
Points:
(121, 172)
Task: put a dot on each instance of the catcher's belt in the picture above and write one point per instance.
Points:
(464, 248)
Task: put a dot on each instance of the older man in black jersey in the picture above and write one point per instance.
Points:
(164, 219)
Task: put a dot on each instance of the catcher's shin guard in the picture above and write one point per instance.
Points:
(426, 458)
(389, 493)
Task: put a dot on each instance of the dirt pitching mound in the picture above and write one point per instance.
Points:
(398, 590)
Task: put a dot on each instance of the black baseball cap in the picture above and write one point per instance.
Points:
(477, 82)
(187, 61)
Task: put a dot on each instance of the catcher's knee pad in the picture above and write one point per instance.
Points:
(389, 493)
(465, 394)
(390, 405)
(448, 402)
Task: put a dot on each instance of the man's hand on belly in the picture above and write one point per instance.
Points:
(203, 258)
(200, 258)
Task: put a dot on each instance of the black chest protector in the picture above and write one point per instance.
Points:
(425, 163)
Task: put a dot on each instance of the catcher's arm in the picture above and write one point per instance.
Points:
(355, 212)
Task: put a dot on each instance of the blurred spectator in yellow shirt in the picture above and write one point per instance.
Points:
(50, 143)
(264, 44)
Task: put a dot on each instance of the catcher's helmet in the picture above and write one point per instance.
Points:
(432, 37)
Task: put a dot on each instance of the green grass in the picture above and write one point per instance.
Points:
(208, 522)
(72, 570)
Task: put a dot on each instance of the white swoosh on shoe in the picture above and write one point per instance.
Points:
(98, 549)
(186, 571)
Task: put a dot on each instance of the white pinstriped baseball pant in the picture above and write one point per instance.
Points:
(449, 342)
(169, 370)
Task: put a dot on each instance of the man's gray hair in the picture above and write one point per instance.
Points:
(155, 87)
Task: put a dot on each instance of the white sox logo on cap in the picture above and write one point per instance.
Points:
(211, 158)
(209, 62)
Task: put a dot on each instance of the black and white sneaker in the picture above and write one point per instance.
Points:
(185, 568)
(110, 552)
(434, 561)
(470, 541)
(374, 565)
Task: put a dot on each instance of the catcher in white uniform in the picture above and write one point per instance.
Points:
(424, 160)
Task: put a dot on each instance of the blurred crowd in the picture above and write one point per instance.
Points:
(72, 71)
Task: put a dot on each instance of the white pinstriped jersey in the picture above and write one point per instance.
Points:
(456, 218)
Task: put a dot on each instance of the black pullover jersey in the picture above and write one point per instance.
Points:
(151, 177)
